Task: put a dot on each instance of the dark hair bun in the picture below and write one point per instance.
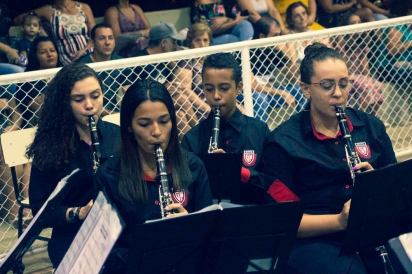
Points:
(314, 48)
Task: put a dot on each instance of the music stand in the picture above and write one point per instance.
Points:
(219, 241)
(381, 207)
(223, 170)
(176, 244)
(256, 239)
(15, 255)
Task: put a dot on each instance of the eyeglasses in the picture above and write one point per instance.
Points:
(328, 85)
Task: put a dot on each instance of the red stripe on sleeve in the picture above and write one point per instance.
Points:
(281, 193)
(244, 175)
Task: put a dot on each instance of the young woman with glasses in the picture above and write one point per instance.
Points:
(305, 159)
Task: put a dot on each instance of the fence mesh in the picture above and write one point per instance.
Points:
(377, 63)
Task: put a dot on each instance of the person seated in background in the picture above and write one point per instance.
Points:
(259, 8)
(305, 160)
(62, 143)
(103, 43)
(268, 64)
(14, 65)
(282, 6)
(9, 120)
(131, 178)
(31, 28)
(71, 22)
(238, 133)
(29, 95)
(189, 72)
(163, 39)
(331, 12)
(380, 11)
(130, 27)
(367, 92)
(226, 23)
(297, 19)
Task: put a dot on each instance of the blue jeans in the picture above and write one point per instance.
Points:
(10, 69)
(241, 32)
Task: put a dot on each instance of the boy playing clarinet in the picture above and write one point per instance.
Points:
(222, 82)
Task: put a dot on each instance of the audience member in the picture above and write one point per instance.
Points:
(9, 121)
(189, 72)
(14, 65)
(132, 179)
(330, 12)
(268, 64)
(31, 27)
(380, 12)
(366, 93)
(297, 19)
(282, 6)
(305, 160)
(71, 22)
(62, 144)
(163, 39)
(130, 27)
(222, 82)
(103, 42)
(29, 95)
(395, 62)
(226, 23)
(259, 8)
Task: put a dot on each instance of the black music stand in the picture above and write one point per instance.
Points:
(219, 241)
(223, 170)
(15, 255)
(381, 207)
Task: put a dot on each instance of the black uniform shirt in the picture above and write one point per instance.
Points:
(197, 197)
(241, 134)
(43, 182)
(301, 163)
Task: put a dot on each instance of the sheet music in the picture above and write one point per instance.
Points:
(94, 240)
(406, 241)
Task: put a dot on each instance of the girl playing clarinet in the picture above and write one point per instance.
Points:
(62, 144)
(131, 179)
(305, 159)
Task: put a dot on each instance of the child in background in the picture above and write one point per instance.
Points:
(31, 28)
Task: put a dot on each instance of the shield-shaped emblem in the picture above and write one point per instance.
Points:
(249, 157)
(180, 197)
(363, 150)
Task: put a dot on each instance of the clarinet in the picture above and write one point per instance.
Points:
(165, 198)
(351, 156)
(215, 131)
(95, 143)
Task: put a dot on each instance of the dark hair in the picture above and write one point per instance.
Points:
(316, 52)
(99, 26)
(289, 10)
(56, 136)
(198, 29)
(130, 165)
(30, 16)
(33, 61)
(224, 61)
(264, 24)
(155, 42)
(345, 19)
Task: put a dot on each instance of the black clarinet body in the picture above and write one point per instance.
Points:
(95, 143)
(214, 139)
(165, 197)
(352, 156)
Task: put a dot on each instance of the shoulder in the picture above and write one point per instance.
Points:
(86, 59)
(137, 8)
(192, 160)
(256, 123)
(115, 57)
(288, 129)
(109, 129)
(111, 12)
(371, 121)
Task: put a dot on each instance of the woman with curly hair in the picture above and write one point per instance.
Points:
(63, 143)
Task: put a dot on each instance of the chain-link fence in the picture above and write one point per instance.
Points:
(378, 63)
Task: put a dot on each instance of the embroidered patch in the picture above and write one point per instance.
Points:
(363, 150)
(180, 197)
(249, 157)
